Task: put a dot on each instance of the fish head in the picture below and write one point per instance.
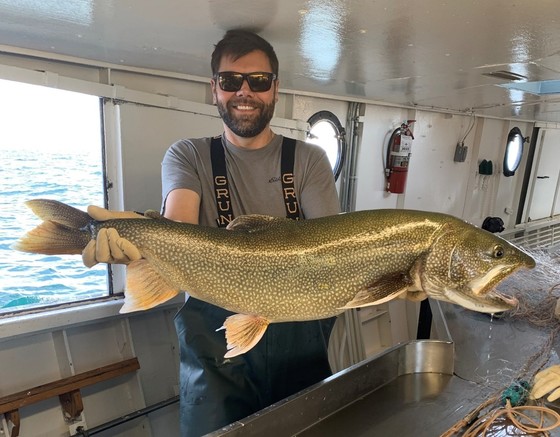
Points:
(466, 263)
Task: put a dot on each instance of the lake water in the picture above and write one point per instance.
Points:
(30, 280)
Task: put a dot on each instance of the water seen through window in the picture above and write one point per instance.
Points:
(50, 147)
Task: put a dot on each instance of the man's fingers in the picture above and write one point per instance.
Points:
(102, 214)
(109, 247)
(88, 254)
(126, 249)
(104, 252)
(116, 252)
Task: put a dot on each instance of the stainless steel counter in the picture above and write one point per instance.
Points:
(417, 389)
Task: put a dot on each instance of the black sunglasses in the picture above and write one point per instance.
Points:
(259, 82)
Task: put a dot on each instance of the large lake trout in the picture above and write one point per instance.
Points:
(269, 270)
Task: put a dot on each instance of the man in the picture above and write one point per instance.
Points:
(248, 170)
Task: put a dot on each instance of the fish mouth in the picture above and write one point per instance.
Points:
(496, 299)
(487, 300)
(491, 302)
(481, 294)
(486, 297)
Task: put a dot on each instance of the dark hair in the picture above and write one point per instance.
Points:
(238, 43)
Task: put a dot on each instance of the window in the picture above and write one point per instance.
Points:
(50, 147)
(327, 132)
(514, 151)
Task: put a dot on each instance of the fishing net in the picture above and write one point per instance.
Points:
(509, 411)
(537, 290)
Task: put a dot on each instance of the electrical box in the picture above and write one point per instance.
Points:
(460, 152)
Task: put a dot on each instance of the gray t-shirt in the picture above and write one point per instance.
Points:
(253, 176)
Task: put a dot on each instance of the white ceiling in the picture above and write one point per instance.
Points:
(425, 53)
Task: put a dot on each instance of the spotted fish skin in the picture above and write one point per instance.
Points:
(283, 270)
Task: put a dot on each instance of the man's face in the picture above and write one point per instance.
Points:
(246, 113)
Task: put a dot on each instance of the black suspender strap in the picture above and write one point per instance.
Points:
(288, 188)
(221, 185)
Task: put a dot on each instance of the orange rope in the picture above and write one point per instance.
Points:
(494, 422)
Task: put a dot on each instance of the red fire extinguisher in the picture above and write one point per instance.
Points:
(398, 157)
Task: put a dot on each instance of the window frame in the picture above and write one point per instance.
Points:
(27, 310)
(340, 132)
(514, 133)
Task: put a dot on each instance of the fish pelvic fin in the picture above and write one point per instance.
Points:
(145, 287)
(243, 332)
(383, 290)
(61, 232)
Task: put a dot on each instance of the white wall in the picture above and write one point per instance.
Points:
(36, 358)
(435, 182)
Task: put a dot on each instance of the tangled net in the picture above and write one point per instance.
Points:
(538, 292)
(510, 412)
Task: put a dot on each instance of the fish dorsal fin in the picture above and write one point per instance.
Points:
(153, 214)
(145, 287)
(253, 222)
(385, 289)
(243, 332)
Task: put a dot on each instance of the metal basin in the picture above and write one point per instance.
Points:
(403, 391)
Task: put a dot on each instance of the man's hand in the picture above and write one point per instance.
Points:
(546, 381)
(102, 214)
(109, 246)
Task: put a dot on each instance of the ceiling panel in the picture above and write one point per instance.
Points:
(431, 53)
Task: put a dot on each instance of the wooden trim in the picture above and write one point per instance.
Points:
(13, 420)
(66, 385)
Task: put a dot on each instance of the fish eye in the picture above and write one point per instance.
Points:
(498, 252)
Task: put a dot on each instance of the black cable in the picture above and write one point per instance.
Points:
(82, 432)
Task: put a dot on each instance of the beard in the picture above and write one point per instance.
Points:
(246, 126)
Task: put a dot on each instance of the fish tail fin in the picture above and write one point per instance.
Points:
(243, 332)
(60, 233)
(53, 210)
(145, 287)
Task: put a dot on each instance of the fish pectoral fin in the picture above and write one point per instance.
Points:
(383, 290)
(145, 287)
(254, 222)
(243, 331)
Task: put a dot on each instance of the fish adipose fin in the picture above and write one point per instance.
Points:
(145, 287)
(254, 222)
(243, 331)
(384, 290)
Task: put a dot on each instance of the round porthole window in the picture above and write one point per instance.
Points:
(327, 132)
(514, 151)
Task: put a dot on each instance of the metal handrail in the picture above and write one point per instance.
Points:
(540, 234)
